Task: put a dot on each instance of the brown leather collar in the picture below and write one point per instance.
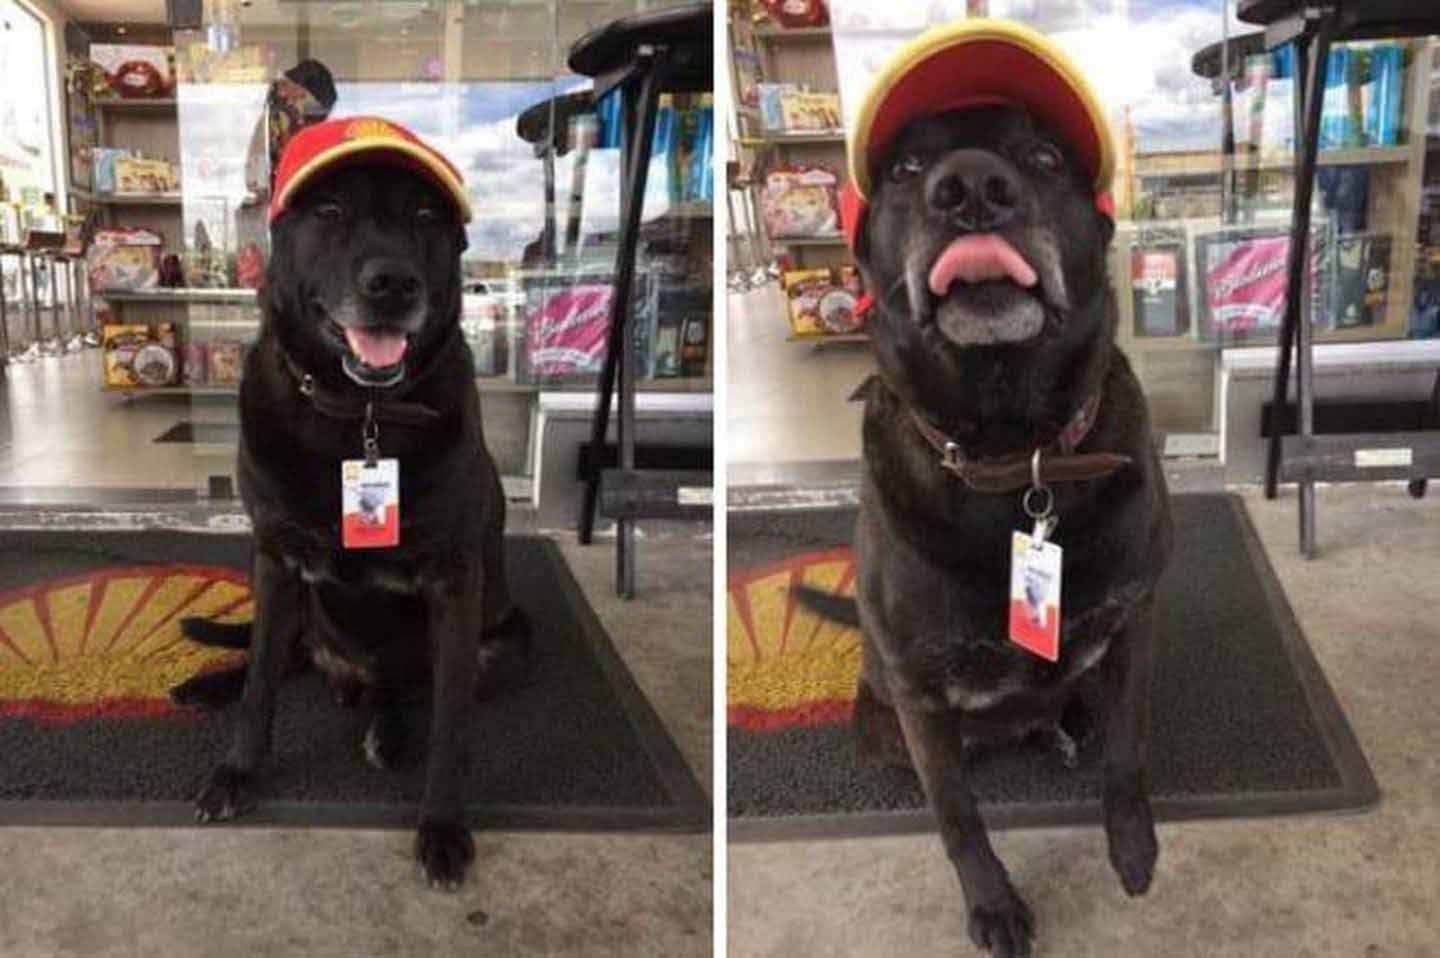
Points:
(387, 407)
(1058, 461)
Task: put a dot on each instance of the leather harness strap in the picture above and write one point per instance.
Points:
(362, 406)
(1058, 461)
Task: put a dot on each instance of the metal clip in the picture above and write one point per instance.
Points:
(370, 436)
(307, 385)
(1041, 509)
(951, 459)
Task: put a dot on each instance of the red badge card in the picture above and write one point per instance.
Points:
(1035, 596)
(370, 503)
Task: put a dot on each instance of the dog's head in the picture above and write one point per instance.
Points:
(364, 273)
(982, 230)
(979, 215)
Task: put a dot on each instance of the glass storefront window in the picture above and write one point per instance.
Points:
(487, 85)
(27, 132)
(1198, 264)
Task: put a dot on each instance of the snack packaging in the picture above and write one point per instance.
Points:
(105, 158)
(137, 354)
(771, 95)
(194, 359)
(124, 260)
(226, 362)
(137, 175)
(810, 111)
(804, 288)
(800, 201)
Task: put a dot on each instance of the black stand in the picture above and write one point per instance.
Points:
(1306, 458)
(667, 51)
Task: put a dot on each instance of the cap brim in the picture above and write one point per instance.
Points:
(974, 62)
(395, 152)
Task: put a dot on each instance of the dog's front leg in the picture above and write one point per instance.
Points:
(443, 845)
(999, 920)
(1129, 824)
(278, 616)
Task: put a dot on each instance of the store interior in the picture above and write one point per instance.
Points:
(133, 234)
(1198, 228)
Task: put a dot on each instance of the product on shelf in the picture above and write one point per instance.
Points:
(131, 70)
(1362, 280)
(139, 354)
(566, 319)
(772, 115)
(1241, 279)
(798, 13)
(804, 290)
(681, 331)
(810, 111)
(141, 175)
(1157, 283)
(194, 364)
(800, 201)
(124, 260)
(106, 158)
(226, 361)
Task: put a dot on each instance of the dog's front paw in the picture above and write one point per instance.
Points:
(1130, 830)
(225, 796)
(444, 851)
(1004, 927)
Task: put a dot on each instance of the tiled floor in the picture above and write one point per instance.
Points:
(787, 401)
(59, 429)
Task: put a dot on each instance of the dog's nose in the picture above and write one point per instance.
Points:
(975, 190)
(389, 282)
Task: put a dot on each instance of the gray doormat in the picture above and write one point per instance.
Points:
(89, 644)
(1244, 721)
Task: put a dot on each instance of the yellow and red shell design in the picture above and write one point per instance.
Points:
(787, 666)
(108, 643)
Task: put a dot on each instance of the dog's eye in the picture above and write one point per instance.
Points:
(329, 211)
(906, 167)
(1046, 158)
(427, 216)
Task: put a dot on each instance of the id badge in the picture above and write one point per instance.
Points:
(1035, 596)
(370, 503)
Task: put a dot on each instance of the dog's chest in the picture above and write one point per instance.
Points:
(364, 572)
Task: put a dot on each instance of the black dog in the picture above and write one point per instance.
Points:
(360, 342)
(994, 337)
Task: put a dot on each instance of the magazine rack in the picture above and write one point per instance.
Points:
(1306, 458)
(642, 56)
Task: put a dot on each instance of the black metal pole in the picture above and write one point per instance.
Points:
(637, 155)
(1297, 300)
(1281, 396)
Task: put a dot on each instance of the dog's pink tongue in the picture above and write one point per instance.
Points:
(976, 258)
(376, 349)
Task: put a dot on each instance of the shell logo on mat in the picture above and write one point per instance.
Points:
(788, 666)
(108, 643)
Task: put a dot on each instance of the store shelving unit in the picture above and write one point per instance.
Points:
(803, 55)
(1179, 372)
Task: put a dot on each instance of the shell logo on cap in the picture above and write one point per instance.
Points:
(372, 129)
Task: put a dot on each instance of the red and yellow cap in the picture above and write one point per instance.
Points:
(361, 139)
(978, 62)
